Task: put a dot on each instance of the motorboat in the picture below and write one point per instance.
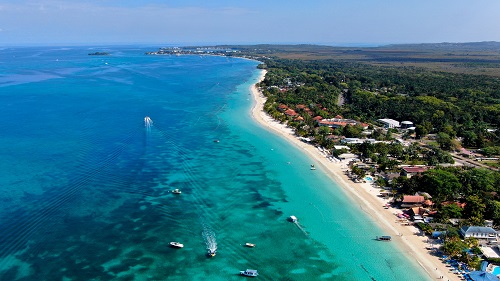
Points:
(293, 218)
(216, 141)
(176, 191)
(249, 272)
(313, 167)
(211, 253)
(384, 238)
(176, 245)
(250, 245)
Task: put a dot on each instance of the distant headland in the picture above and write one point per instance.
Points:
(99, 54)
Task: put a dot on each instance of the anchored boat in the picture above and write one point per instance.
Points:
(176, 245)
(249, 272)
(384, 238)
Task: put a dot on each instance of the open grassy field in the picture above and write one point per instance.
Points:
(482, 58)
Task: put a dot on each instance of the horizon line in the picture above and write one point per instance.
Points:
(330, 44)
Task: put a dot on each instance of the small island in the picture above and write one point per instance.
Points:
(99, 54)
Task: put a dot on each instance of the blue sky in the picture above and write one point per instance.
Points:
(339, 22)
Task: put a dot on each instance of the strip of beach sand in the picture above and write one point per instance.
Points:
(406, 237)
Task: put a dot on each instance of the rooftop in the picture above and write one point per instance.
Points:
(413, 199)
(412, 169)
(477, 229)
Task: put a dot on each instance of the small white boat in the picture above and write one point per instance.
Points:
(249, 272)
(250, 245)
(176, 191)
(176, 245)
(293, 219)
(384, 238)
(313, 167)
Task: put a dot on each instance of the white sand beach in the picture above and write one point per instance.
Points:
(407, 237)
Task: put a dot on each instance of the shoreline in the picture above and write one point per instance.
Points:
(406, 237)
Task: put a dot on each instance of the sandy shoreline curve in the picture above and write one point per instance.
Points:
(407, 238)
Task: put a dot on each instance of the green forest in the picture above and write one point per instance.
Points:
(449, 104)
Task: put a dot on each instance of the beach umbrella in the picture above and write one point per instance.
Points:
(482, 276)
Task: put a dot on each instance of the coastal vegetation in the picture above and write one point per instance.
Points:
(477, 189)
(448, 105)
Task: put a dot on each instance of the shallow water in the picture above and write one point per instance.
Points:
(86, 186)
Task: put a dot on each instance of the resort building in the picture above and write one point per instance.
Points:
(409, 171)
(356, 140)
(410, 201)
(389, 176)
(291, 112)
(339, 147)
(282, 107)
(389, 123)
(339, 121)
(482, 233)
(348, 156)
(318, 118)
(407, 125)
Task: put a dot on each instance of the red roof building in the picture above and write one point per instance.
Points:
(364, 125)
(413, 199)
(410, 201)
(335, 122)
(282, 107)
(410, 171)
(291, 112)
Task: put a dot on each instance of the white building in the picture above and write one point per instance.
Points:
(339, 147)
(479, 232)
(356, 140)
(407, 125)
(389, 123)
(348, 156)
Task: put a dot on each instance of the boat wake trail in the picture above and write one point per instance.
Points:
(209, 237)
(301, 228)
(148, 123)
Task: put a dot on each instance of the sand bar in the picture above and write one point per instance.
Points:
(364, 194)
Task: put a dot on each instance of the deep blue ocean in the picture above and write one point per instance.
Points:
(85, 185)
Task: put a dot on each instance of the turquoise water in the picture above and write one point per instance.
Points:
(86, 186)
